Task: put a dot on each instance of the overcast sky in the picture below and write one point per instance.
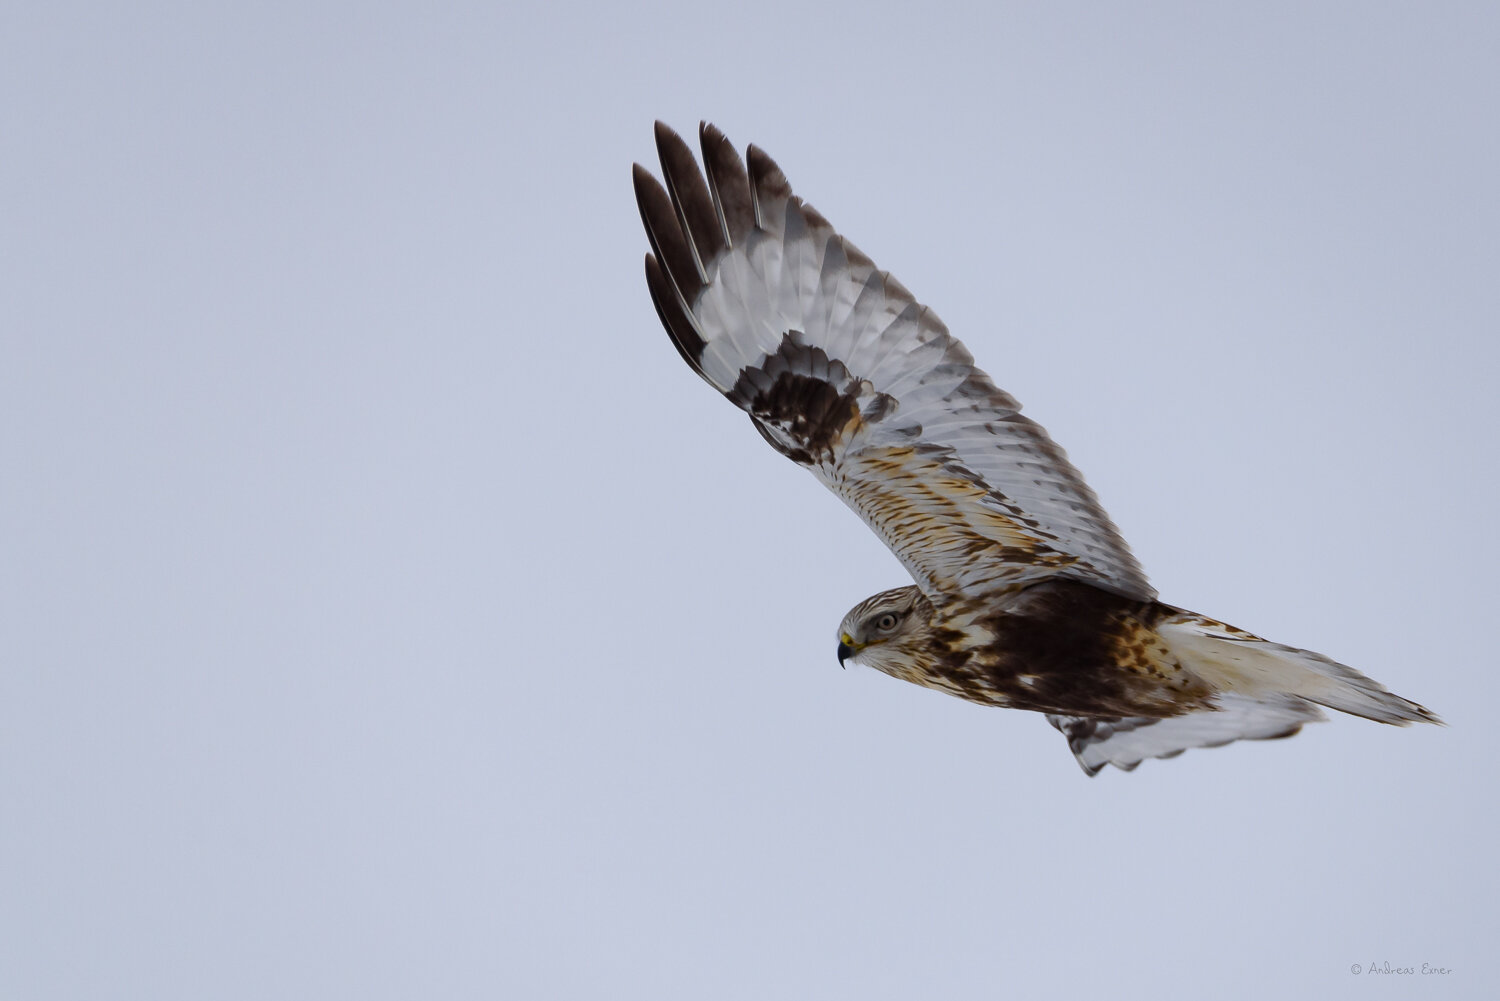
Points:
(387, 612)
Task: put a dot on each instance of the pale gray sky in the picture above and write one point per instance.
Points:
(387, 612)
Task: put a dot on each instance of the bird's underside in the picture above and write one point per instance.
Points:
(1060, 647)
(1026, 595)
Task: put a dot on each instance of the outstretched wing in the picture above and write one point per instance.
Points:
(842, 371)
(1127, 742)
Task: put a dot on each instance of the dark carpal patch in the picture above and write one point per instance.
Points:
(802, 401)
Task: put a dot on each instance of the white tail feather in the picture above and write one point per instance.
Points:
(1233, 660)
(1264, 690)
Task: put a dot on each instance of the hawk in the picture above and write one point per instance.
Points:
(1025, 595)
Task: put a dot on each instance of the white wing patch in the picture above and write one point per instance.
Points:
(1125, 743)
(844, 372)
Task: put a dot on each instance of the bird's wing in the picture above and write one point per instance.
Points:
(1127, 742)
(842, 371)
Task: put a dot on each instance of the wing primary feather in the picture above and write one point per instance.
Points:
(665, 233)
(728, 184)
(768, 186)
(696, 214)
(674, 317)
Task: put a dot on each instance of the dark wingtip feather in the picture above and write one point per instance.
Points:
(690, 197)
(815, 218)
(669, 310)
(767, 182)
(729, 184)
(665, 233)
(765, 173)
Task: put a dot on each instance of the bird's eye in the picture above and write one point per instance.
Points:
(886, 622)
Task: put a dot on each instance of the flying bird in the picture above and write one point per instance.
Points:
(1025, 595)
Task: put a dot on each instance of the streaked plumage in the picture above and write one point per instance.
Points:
(1026, 596)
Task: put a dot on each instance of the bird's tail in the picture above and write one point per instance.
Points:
(1233, 660)
(1264, 690)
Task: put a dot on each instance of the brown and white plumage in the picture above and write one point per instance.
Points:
(1026, 595)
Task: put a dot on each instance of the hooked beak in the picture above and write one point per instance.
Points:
(847, 648)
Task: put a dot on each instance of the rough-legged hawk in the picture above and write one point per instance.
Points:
(1025, 594)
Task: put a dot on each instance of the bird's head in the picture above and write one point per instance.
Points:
(886, 632)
